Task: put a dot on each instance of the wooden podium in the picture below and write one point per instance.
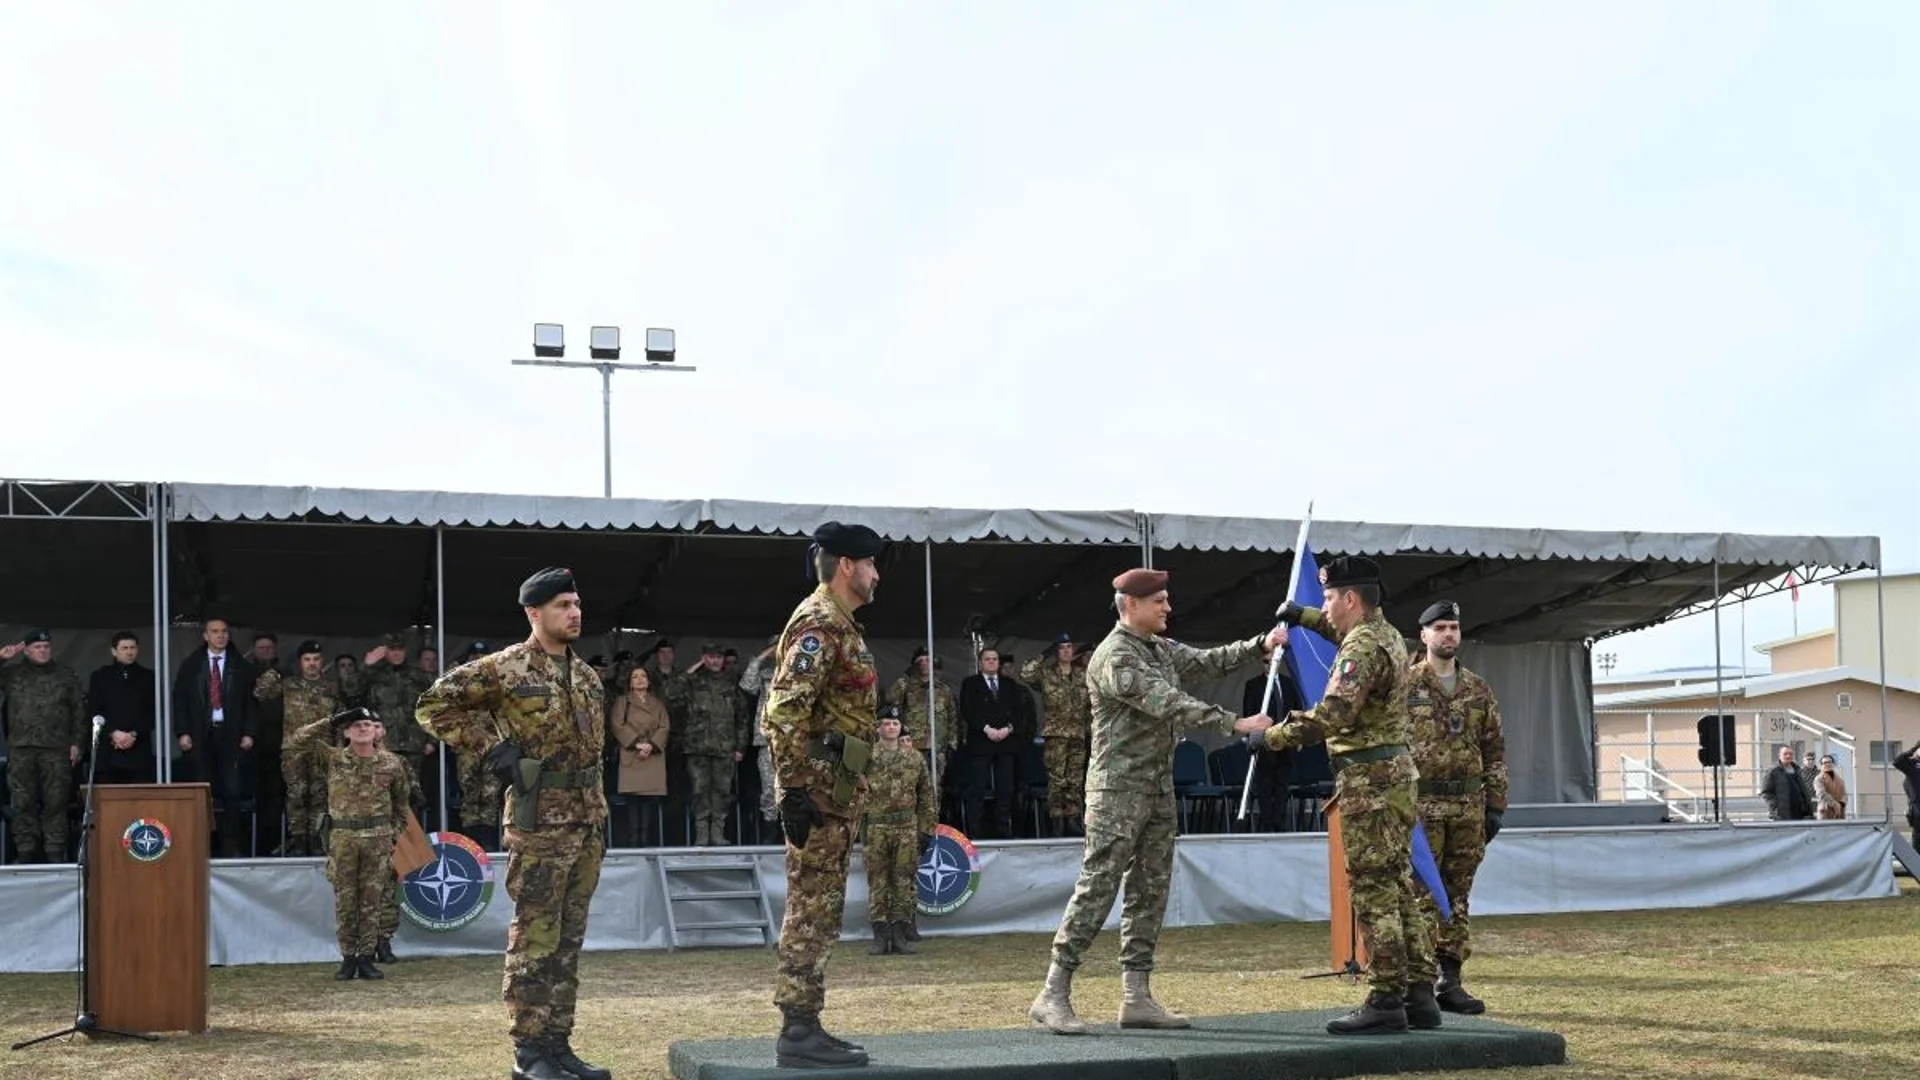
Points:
(147, 907)
(1349, 946)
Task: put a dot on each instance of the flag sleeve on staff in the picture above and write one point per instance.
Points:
(1309, 661)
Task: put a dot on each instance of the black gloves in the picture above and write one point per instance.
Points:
(798, 815)
(503, 761)
(926, 844)
(1493, 823)
(1291, 614)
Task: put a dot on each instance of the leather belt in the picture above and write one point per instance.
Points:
(562, 779)
(892, 817)
(362, 823)
(1371, 753)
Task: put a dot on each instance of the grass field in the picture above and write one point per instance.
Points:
(1789, 990)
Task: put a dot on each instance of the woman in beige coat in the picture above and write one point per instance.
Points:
(1832, 792)
(639, 722)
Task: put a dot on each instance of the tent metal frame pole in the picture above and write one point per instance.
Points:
(1886, 747)
(933, 720)
(1719, 704)
(163, 731)
(440, 647)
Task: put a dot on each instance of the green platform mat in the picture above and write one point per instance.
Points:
(1256, 1046)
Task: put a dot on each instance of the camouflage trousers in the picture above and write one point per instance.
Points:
(1376, 802)
(1129, 848)
(1066, 776)
(816, 903)
(769, 808)
(306, 778)
(40, 782)
(712, 786)
(551, 874)
(480, 794)
(892, 858)
(1457, 833)
(360, 865)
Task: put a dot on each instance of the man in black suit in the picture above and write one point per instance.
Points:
(1270, 767)
(213, 711)
(122, 694)
(997, 714)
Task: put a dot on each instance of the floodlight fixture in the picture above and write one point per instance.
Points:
(603, 342)
(659, 345)
(549, 340)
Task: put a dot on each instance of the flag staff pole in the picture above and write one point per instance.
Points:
(1273, 667)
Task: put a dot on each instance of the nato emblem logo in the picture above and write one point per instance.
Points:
(146, 839)
(453, 889)
(949, 875)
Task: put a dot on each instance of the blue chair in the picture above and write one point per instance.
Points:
(1228, 766)
(1190, 781)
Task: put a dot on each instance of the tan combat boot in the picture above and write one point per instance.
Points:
(1052, 1009)
(1139, 1010)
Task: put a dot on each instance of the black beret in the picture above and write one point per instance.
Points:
(1438, 610)
(1350, 570)
(310, 646)
(623, 656)
(735, 653)
(918, 652)
(849, 541)
(890, 712)
(1063, 638)
(546, 584)
(36, 636)
(477, 648)
(349, 717)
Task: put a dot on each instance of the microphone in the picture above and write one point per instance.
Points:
(98, 723)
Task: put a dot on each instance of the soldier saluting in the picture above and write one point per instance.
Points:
(820, 715)
(366, 808)
(1462, 755)
(538, 714)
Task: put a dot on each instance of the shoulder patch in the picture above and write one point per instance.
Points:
(809, 643)
(803, 663)
(1347, 668)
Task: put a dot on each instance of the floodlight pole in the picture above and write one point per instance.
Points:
(606, 370)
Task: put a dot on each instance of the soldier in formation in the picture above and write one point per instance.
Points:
(538, 715)
(713, 733)
(366, 809)
(1062, 684)
(1138, 712)
(899, 826)
(305, 698)
(1362, 718)
(1461, 753)
(390, 686)
(46, 728)
(820, 719)
(480, 793)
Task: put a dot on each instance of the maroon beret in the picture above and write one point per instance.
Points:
(1141, 582)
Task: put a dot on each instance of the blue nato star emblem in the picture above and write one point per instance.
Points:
(453, 889)
(949, 875)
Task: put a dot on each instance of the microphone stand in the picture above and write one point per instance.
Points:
(84, 1022)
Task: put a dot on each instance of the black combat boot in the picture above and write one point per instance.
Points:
(534, 1061)
(1453, 996)
(1423, 1012)
(803, 1044)
(383, 952)
(363, 966)
(900, 942)
(349, 967)
(560, 1050)
(911, 928)
(1382, 1013)
(882, 939)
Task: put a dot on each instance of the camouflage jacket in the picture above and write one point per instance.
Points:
(825, 681)
(899, 795)
(305, 700)
(1365, 704)
(555, 715)
(909, 692)
(359, 789)
(1458, 736)
(1139, 710)
(1063, 695)
(46, 708)
(393, 691)
(713, 722)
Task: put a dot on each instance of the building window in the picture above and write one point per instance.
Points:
(1881, 754)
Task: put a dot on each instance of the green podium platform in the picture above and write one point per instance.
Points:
(1256, 1046)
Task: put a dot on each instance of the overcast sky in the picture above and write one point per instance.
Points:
(1638, 266)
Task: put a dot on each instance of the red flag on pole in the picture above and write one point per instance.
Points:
(1793, 584)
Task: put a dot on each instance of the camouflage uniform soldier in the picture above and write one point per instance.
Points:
(366, 809)
(1363, 720)
(1461, 752)
(391, 687)
(1068, 724)
(715, 739)
(1138, 712)
(909, 694)
(389, 917)
(538, 713)
(307, 698)
(819, 716)
(480, 793)
(899, 827)
(47, 726)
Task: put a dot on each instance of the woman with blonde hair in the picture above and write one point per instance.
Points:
(639, 723)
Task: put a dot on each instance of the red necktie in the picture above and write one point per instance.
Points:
(219, 698)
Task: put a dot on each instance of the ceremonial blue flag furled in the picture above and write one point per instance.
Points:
(1309, 660)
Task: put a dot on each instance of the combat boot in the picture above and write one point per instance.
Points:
(1053, 1009)
(910, 930)
(363, 966)
(900, 942)
(560, 1051)
(717, 832)
(882, 939)
(534, 1061)
(1423, 1012)
(383, 952)
(1380, 1014)
(1453, 996)
(1139, 1010)
(803, 1044)
(349, 967)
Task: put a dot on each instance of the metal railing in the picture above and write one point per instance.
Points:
(1638, 779)
(1663, 766)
